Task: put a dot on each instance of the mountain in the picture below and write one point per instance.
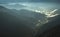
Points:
(18, 23)
(50, 28)
(10, 25)
(30, 17)
(31, 14)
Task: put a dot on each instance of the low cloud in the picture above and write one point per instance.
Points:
(43, 8)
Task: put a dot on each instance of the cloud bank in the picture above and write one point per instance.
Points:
(43, 8)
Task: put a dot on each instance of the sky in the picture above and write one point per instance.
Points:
(30, 1)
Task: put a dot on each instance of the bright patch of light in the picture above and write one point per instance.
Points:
(51, 14)
(48, 12)
(54, 10)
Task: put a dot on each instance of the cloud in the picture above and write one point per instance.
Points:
(12, 3)
(43, 8)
